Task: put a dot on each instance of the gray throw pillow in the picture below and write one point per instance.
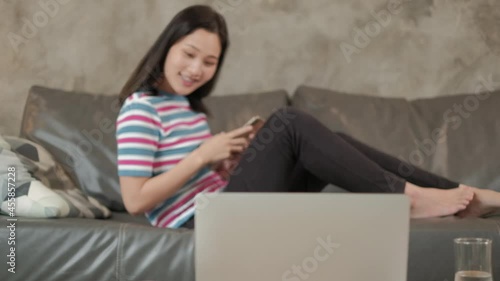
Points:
(42, 188)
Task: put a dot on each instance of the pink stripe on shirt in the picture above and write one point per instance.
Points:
(137, 140)
(170, 107)
(168, 162)
(189, 123)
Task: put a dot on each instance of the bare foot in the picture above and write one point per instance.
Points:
(433, 202)
(485, 202)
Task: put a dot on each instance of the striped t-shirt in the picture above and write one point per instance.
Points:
(153, 134)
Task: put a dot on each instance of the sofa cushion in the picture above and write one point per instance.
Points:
(428, 133)
(468, 149)
(78, 129)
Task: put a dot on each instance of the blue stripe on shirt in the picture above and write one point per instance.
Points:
(133, 173)
(139, 106)
(138, 129)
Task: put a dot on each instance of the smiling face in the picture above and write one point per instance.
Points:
(191, 62)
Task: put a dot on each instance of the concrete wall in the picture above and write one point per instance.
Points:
(415, 49)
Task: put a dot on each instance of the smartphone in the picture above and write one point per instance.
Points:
(256, 122)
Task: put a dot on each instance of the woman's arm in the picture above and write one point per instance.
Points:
(141, 194)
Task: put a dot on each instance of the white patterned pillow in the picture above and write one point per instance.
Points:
(42, 187)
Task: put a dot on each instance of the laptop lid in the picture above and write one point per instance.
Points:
(301, 236)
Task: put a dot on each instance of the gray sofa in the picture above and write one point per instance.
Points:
(76, 129)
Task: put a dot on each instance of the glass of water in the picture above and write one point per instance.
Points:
(473, 259)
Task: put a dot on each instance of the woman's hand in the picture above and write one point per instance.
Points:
(224, 145)
(226, 166)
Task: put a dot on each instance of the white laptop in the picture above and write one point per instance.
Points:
(301, 236)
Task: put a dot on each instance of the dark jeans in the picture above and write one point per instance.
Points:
(294, 152)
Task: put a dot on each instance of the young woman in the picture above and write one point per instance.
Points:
(166, 154)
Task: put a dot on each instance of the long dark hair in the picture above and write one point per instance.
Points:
(150, 69)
